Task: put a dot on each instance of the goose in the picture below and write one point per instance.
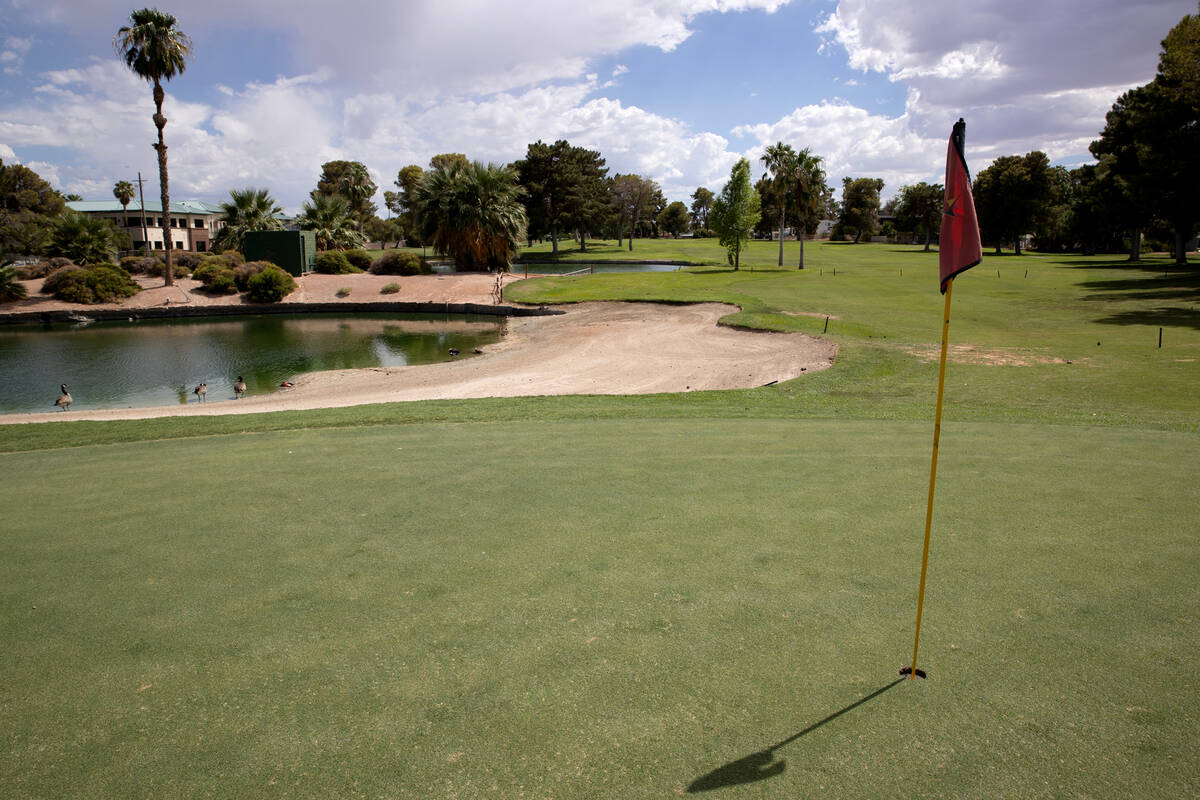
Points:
(454, 351)
(201, 392)
(286, 385)
(64, 399)
(239, 388)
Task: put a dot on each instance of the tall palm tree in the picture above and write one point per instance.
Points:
(357, 187)
(780, 161)
(155, 50)
(246, 210)
(329, 218)
(810, 191)
(473, 213)
(123, 191)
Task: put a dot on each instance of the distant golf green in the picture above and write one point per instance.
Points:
(704, 593)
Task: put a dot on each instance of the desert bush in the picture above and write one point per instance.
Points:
(10, 287)
(344, 291)
(390, 288)
(397, 262)
(216, 277)
(271, 285)
(40, 269)
(102, 283)
(242, 273)
(334, 262)
(359, 258)
(186, 259)
(155, 266)
(234, 257)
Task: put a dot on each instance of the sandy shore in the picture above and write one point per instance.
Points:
(590, 348)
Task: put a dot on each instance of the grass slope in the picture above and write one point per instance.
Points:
(642, 596)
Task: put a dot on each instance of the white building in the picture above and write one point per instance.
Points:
(192, 223)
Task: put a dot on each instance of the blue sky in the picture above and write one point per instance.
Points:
(675, 90)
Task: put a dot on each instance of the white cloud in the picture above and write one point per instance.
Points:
(855, 143)
(1027, 73)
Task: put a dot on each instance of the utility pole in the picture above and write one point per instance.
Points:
(142, 201)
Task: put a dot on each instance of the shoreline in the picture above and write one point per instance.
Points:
(607, 348)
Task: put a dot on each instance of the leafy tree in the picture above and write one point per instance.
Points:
(385, 230)
(84, 239)
(632, 196)
(123, 191)
(1151, 140)
(156, 50)
(445, 160)
(674, 219)
(473, 213)
(736, 211)
(246, 210)
(28, 209)
(1011, 197)
(407, 181)
(564, 188)
(351, 181)
(860, 205)
(329, 218)
(702, 200)
(918, 208)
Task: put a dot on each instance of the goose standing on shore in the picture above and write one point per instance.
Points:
(64, 399)
(239, 388)
(201, 392)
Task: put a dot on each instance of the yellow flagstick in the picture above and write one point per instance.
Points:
(937, 435)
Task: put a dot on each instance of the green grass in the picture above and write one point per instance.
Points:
(587, 597)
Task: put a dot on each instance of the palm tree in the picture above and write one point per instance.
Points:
(246, 210)
(329, 218)
(810, 191)
(123, 191)
(473, 213)
(155, 50)
(357, 187)
(84, 239)
(780, 161)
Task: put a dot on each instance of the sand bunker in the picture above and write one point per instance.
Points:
(590, 348)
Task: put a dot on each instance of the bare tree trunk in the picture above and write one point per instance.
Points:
(160, 122)
(803, 233)
(1135, 249)
(582, 241)
(781, 209)
(1180, 247)
(554, 240)
(927, 239)
(1017, 244)
(631, 226)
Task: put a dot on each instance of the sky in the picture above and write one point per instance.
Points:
(674, 90)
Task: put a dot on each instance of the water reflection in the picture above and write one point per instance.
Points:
(158, 362)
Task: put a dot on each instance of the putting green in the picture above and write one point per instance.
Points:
(601, 608)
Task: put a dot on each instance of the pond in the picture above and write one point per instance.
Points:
(158, 362)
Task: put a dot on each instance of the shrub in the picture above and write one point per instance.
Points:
(10, 288)
(216, 277)
(390, 288)
(344, 291)
(359, 258)
(40, 269)
(271, 285)
(102, 283)
(242, 273)
(186, 259)
(397, 262)
(334, 262)
(234, 257)
(156, 266)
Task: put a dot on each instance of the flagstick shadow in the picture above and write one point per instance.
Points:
(762, 764)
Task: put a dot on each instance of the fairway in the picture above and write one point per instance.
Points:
(620, 597)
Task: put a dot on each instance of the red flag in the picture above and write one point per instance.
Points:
(960, 248)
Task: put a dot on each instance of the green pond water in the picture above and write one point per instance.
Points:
(158, 362)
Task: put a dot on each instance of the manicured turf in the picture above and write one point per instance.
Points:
(637, 597)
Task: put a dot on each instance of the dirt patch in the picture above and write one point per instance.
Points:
(990, 357)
